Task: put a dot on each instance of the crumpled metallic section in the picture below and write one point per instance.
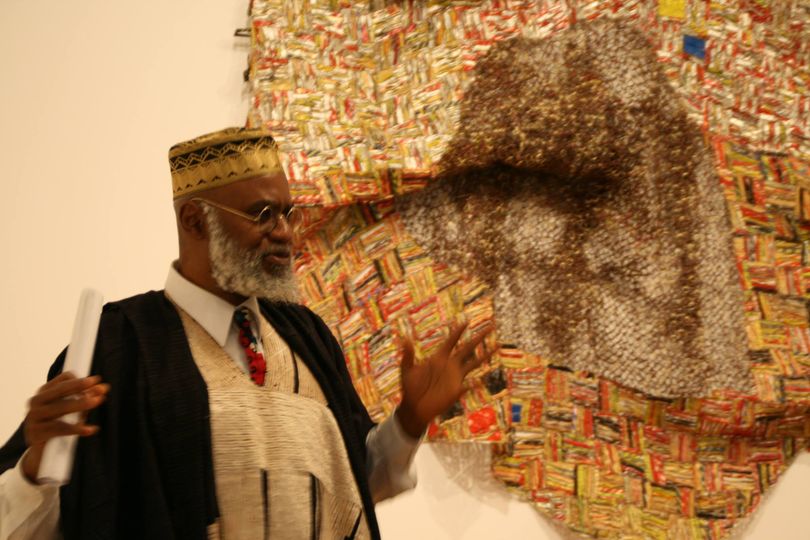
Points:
(579, 191)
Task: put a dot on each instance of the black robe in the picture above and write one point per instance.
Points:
(149, 472)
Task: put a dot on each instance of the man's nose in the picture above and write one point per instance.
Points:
(282, 231)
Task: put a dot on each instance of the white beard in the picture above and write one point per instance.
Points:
(239, 270)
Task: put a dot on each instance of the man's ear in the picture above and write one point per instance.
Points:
(191, 218)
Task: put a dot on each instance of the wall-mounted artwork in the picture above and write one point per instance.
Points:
(622, 186)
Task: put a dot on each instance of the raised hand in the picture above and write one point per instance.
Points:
(432, 386)
(59, 396)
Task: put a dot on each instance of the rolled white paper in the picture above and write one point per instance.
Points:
(57, 458)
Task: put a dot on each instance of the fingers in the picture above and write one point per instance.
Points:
(474, 362)
(63, 395)
(407, 354)
(452, 349)
(466, 354)
(87, 400)
(62, 386)
(61, 377)
(455, 334)
(101, 389)
(57, 428)
(64, 376)
(467, 348)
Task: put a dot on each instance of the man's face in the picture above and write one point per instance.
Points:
(247, 258)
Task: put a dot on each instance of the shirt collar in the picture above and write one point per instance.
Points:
(210, 311)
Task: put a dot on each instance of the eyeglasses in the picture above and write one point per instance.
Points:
(269, 215)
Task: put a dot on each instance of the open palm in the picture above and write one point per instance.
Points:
(434, 385)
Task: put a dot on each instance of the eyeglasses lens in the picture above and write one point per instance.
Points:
(266, 215)
(295, 217)
(269, 215)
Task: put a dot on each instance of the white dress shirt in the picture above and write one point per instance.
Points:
(31, 511)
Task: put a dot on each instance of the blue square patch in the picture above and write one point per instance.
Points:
(694, 46)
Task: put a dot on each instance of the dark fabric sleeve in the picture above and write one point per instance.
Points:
(309, 336)
(12, 451)
(15, 447)
(110, 478)
(176, 418)
(115, 483)
(360, 417)
(114, 479)
(148, 473)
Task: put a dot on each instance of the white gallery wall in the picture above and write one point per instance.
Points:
(92, 95)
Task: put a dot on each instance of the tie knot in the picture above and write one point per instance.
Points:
(243, 318)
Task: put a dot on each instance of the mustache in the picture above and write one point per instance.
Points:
(282, 250)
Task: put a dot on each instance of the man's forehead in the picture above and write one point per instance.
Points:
(263, 188)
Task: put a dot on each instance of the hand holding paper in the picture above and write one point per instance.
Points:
(56, 412)
(62, 395)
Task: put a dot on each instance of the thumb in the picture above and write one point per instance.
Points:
(407, 354)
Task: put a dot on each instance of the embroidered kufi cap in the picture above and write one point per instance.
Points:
(221, 158)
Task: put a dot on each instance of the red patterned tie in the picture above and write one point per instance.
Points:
(256, 363)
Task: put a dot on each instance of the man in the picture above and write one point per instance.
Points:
(219, 407)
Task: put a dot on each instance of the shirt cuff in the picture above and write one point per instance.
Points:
(27, 496)
(391, 451)
(398, 435)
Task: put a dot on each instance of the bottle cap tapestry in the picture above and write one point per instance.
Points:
(622, 186)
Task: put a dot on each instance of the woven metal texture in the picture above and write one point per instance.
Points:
(653, 379)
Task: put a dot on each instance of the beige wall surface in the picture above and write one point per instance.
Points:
(93, 93)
